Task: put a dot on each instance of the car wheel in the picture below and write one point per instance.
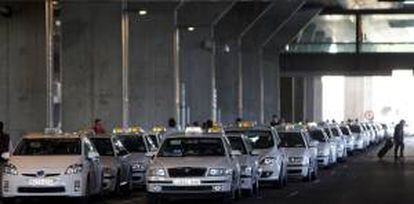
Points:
(8, 200)
(280, 182)
(256, 188)
(153, 199)
(127, 188)
(315, 173)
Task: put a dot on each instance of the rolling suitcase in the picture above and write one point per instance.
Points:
(388, 145)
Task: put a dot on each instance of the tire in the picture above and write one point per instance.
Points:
(315, 173)
(127, 189)
(280, 182)
(8, 200)
(153, 199)
(228, 198)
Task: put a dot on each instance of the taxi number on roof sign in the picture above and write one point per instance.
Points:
(186, 182)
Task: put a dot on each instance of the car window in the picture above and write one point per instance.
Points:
(355, 128)
(345, 131)
(120, 150)
(187, 147)
(237, 143)
(291, 139)
(259, 139)
(317, 135)
(104, 146)
(47, 146)
(133, 143)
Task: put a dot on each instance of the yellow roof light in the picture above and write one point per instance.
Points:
(245, 124)
(158, 129)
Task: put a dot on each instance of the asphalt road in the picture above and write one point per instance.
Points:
(362, 179)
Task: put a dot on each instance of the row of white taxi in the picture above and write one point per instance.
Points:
(214, 163)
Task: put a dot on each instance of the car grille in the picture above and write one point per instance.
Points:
(46, 175)
(41, 190)
(186, 172)
(186, 188)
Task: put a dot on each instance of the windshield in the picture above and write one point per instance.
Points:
(345, 130)
(46, 146)
(355, 128)
(133, 143)
(260, 139)
(190, 147)
(317, 135)
(328, 132)
(154, 140)
(104, 146)
(335, 132)
(291, 139)
(237, 144)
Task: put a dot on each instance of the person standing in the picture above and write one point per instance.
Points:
(399, 140)
(4, 139)
(172, 126)
(275, 121)
(98, 127)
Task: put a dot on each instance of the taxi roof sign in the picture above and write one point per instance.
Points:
(133, 130)
(193, 130)
(158, 129)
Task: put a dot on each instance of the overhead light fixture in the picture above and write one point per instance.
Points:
(142, 12)
(190, 28)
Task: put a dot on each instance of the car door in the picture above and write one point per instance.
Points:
(123, 157)
(91, 165)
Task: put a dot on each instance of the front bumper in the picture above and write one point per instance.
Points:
(297, 170)
(54, 186)
(184, 186)
(138, 178)
(323, 160)
(246, 182)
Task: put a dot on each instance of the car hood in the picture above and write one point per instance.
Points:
(138, 157)
(295, 152)
(55, 164)
(323, 146)
(206, 162)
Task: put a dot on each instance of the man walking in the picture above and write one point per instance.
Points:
(399, 140)
(4, 139)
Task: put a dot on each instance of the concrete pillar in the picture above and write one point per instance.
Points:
(299, 99)
(313, 99)
(91, 64)
(354, 97)
(22, 69)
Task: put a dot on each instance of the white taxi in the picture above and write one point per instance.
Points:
(56, 164)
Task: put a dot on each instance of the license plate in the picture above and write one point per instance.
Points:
(41, 182)
(186, 182)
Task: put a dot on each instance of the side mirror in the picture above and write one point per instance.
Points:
(5, 156)
(236, 153)
(150, 154)
(92, 155)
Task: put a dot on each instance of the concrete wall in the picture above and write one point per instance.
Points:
(196, 72)
(271, 77)
(152, 66)
(91, 64)
(22, 69)
(251, 83)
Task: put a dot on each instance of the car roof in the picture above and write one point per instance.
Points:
(37, 135)
(257, 128)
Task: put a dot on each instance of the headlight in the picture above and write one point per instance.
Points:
(295, 159)
(268, 161)
(219, 172)
(74, 169)
(138, 167)
(10, 169)
(246, 170)
(158, 172)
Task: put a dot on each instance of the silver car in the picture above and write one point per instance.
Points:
(116, 164)
(272, 159)
(249, 165)
(194, 164)
(326, 148)
(349, 137)
(340, 144)
(141, 151)
(361, 139)
(302, 153)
